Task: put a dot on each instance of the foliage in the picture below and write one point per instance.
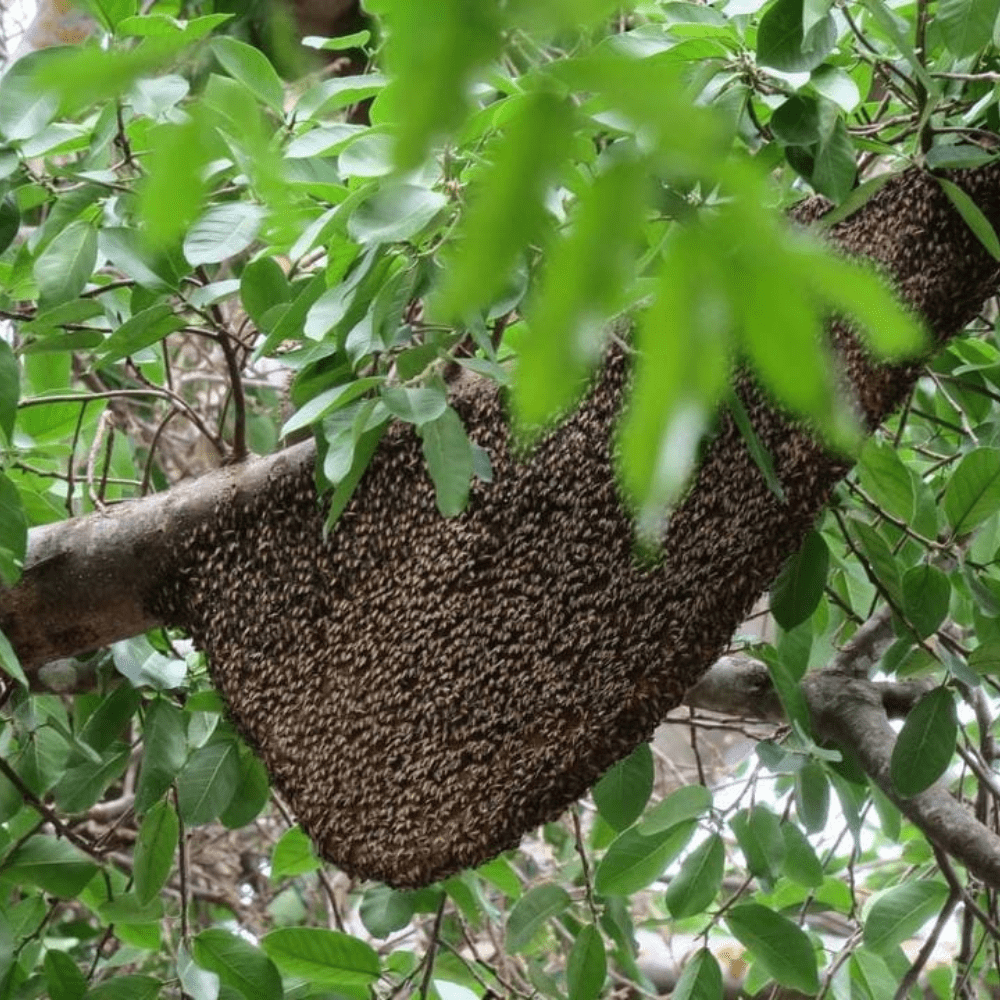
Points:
(180, 230)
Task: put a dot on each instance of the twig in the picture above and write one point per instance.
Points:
(913, 973)
(578, 833)
(425, 982)
(182, 869)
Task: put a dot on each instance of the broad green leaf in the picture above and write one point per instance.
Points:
(10, 223)
(238, 964)
(973, 491)
(531, 912)
(926, 596)
(972, 214)
(801, 864)
(984, 659)
(782, 950)
(395, 213)
(154, 851)
(523, 162)
(13, 545)
(896, 914)
(222, 232)
(761, 456)
(758, 833)
(108, 722)
(146, 666)
(293, 854)
(872, 973)
(700, 980)
(252, 792)
(880, 560)
(622, 794)
(633, 861)
(967, 25)
(797, 121)
(925, 744)
(9, 662)
(126, 988)
(418, 405)
(586, 966)
(26, 106)
(207, 783)
(885, 478)
(328, 401)
(252, 68)
(324, 957)
(686, 803)
(812, 796)
(145, 328)
(448, 454)
(54, 866)
(798, 589)
(783, 43)
(164, 752)
(65, 265)
(198, 983)
(263, 284)
(582, 285)
(384, 910)
(63, 977)
(82, 786)
(694, 887)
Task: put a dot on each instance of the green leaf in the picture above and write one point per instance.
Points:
(782, 950)
(448, 454)
(252, 68)
(126, 988)
(758, 833)
(418, 405)
(395, 213)
(796, 593)
(531, 912)
(760, 455)
(145, 328)
(384, 911)
(164, 752)
(293, 854)
(63, 978)
(686, 803)
(896, 914)
(972, 215)
(208, 781)
(523, 163)
(82, 786)
(10, 223)
(54, 866)
(925, 744)
(622, 794)
(973, 491)
(586, 966)
(198, 983)
(26, 106)
(222, 232)
(812, 796)
(797, 121)
(967, 25)
(880, 560)
(108, 722)
(263, 284)
(328, 401)
(984, 659)
(926, 596)
(633, 861)
(694, 887)
(238, 964)
(801, 864)
(66, 264)
(783, 43)
(885, 478)
(154, 851)
(252, 792)
(700, 980)
(324, 957)
(13, 545)
(9, 662)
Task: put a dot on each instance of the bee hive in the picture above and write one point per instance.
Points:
(423, 690)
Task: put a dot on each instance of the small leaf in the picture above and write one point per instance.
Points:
(252, 68)
(9, 662)
(448, 454)
(812, 796)
(324, 957)
(164, 752)
(145, 328)
(63, 977)
(65, 265)
(82, 786)
(531, 912)
(208, 781)
(238, 964)
(925, 744)
(293, 854)
(252, 792)
(418, 405)
(622, 794)
(885, 478)
(586, 966)
(222, 232)
(700, 980)
(54, 866)
(154, 851)
(686, 803)
(796, 593)
(395, 213)
(384, 911)
(782, 950)
(801, 864)
(758, 833)
(926, 596)
(694, 887)
(896, 914)
(633, 861)
(973, 491)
